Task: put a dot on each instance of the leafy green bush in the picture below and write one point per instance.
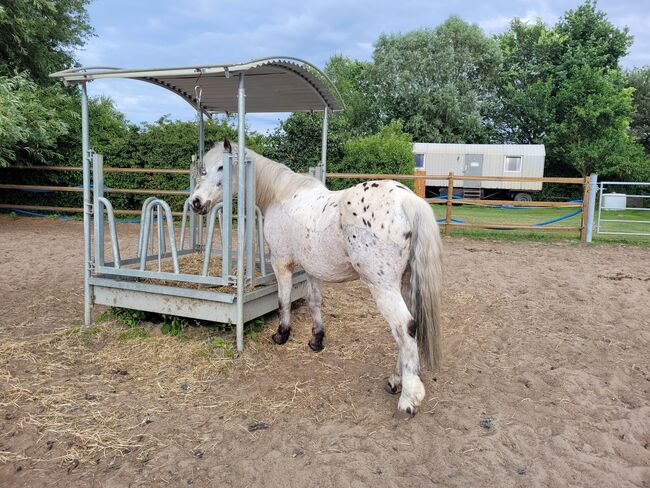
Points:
(387, 152)
(29, 127)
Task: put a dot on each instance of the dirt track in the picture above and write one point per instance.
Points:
(546, 381)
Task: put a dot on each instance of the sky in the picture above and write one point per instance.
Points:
(142, 34)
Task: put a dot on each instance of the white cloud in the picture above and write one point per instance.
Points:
(217, 31)
(98, 52)
(495, 24)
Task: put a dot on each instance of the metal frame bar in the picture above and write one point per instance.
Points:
(601, 188)
(101, 205)
(323, 151)
(161, 206)
(241, 209)
(250, 222)
(162, 275)
(226, 220)
(192, 214)
(212, 217)
(628, 221)
(85, 153)
(260, 240)
(98, 214)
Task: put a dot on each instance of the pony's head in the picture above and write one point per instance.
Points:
(209, 188)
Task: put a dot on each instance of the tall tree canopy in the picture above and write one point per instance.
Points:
(440, 82)
(39, 36)
(562, 86)
(639, 80)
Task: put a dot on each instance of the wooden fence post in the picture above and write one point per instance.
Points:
(585, 210)
(420, 184)
(450, 197)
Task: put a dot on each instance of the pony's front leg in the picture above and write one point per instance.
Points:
(284, 275)
(315, 303)
(392, 306)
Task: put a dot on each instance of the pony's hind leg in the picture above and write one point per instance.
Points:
(315, 303)
(393, 307)
(284, 275)
(395, 379)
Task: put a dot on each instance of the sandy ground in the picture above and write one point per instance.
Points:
(545, 382)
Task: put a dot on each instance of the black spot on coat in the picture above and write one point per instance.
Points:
(411, 328)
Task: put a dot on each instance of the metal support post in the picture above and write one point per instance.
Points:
(250, 222)
(323, 151)
(85, 149)
(226, 221)
(193, 171)
(98, 211)
(241, 208)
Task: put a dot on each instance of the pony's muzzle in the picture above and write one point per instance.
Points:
(200, 207)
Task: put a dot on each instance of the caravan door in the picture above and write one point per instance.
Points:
(473, 167)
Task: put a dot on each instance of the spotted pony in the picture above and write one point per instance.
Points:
(379, 232)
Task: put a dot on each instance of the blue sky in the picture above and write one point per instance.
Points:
(172, 33)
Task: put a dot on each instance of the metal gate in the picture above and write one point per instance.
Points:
(617, 216)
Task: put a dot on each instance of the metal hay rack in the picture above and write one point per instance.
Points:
(267, 85)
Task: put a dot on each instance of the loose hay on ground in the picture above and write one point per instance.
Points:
(133, 383)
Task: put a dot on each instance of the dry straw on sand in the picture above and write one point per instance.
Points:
(100, 391)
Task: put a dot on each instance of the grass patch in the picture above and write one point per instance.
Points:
(221, 345)
(134, 333)
(472, 214)
(85, 332)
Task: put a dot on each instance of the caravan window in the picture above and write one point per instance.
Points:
(419, 161)
(512, 164)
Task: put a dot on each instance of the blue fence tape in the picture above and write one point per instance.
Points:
(66, 217)
(458, 221)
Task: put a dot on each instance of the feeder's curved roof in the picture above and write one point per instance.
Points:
(277, 84)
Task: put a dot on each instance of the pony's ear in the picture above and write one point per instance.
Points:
(226, 145)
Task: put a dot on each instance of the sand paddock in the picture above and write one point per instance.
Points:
(545, 380)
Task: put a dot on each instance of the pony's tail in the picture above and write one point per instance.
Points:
(425, 264)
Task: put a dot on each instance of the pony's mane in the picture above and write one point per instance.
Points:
(274, 181)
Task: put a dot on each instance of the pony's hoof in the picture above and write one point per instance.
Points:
(316, 342)
(280, 338)
(392, 389)
(316, 346)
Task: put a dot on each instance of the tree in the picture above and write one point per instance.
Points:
(297, 141)
(639, 79)
(389, 151)
(525, 108)
(439, 82)
(563, 87)
(29, 126)
(353, 80)
(38, 36)
(590, 133)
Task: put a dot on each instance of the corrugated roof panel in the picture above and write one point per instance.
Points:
(281, 84)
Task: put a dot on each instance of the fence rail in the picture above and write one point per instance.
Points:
(450, 201)
(448, 221)
(107, 170)
(135, 191)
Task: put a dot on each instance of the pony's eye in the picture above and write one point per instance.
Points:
(220, 168)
